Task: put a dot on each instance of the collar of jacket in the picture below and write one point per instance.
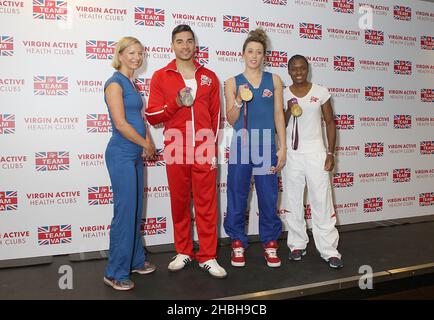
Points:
(172, 66)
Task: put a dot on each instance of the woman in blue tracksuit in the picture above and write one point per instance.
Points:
(125, 165)
(253, 150)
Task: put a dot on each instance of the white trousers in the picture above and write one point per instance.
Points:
(299, 170)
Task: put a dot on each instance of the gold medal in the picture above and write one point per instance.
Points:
(245, 93)
(296, 110)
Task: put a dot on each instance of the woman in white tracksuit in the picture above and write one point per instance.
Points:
(309, 161)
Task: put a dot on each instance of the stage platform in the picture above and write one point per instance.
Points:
(395, 250)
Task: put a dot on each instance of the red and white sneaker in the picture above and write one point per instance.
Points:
(270, 254)
(237, 255)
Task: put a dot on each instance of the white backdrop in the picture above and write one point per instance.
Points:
(55, 195)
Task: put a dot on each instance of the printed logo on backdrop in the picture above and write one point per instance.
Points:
(374, 37)
(312, 3)
(153, 226)
(12, 162)
(7, 123)
(226, 153)
(149, 17)
(401, 201)
(317, 61)
(427, 147)
(202, 54)
(102, 14)
(276, 59)
(194, 20)
(9, 85)
(50, 9)
(373, 205)
(343, 34)
(14, 238)
(99, 195)
(402, 94)
(8, 200)
(91, 159)
(280, 184)
(400, 40)
(402, 121)
(157, 161)
(373, 177)
(424, 173)
(343, 63)
(276, 27)
(229, 56)
(90, 86)
(374, 121)
(158, 52)
(374, 65)
(101, 50)
(47, 124)
(97, 123)
(312, 31)
(347, 93)
(343, 179)
(53, 198)
(50, 47)
(52, 161)
(402, 148)
(426, 199)
(236, 24)
(11, 7)
(420, 68)
(424, 121)
(349, 207)
(376, 9)
(143, 85)
(427, 42)
(402, 13)
(6, 46)
(307, 212)
(427, 95)
(59, 234)
(402, 67)
(401, 175)
(374, 149)
(221, 187)
(50, 85)
(347, 151)
(156, 192)
(425, 16)
(374, 93)
(344, 121)
(276, 2)
(94, 232)
(343, 6)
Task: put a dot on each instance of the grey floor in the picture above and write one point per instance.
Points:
(382, 248)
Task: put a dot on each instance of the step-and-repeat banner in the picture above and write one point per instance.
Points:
(376, 57)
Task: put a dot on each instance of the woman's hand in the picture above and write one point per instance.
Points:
(329, 163)
(281, 160)
(148, 150)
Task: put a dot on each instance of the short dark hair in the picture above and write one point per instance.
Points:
(297, 57)
(182, 28)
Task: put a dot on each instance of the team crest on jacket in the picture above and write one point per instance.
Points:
(204, 80)
(267, 93)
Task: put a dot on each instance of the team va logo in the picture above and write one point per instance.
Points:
(276, 2)
(373, 204)
(99, 195)
(97, 123)
(427, 95)
(426, 199)
(236, 24)
(49, 235)
(100, 49)
(402, 67)
(278, 59)
(157, 160)
(7, 123)
(402, 121)
(402, 13)
(343, 6)
(343, 179)
(427, 42)
(50, 10)
(6, 46)
(374, 149)
(312, 31)
(343, 63)
(374, 37)
(401, 175)
(8, 200)
(427, 147)
(149, 17)
(52, 161)
(374, 93)
(50, 85)
(153, 226)
(344, 121)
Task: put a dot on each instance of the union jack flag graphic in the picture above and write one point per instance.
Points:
(8, 200)
(6, 46)
(59, 234)
(227, 152)
(7, 123)
(267, 93)
(427, 147)
(402, 13)
(310, 31)
(427, 42)
(427, 95)
(426, 199)
(235, 24)
(157, 161)
(50, 85)
(97, 123)
(153, 226)
(374, 149)
(202, 54)
(307, 212)
(343, 63)
(343, 179)
(278, 59)
(401, 175)
(50, 10)
(100, 49)
(276, 2)
(99, 195)
(52, 161)
(402, 67)
(149, 17)
(344, 121)
(143, 85)
(373, 204)
(374, 93)
(343, 6)
(402, 121)
(374, 37)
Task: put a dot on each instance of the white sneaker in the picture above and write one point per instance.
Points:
(213, 268)
(179, 262)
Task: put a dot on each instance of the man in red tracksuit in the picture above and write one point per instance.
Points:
(190, 153)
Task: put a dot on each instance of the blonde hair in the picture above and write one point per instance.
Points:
(120, 46)
(257, 35)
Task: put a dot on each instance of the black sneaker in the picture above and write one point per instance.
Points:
(336, 263)
(297, 254)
